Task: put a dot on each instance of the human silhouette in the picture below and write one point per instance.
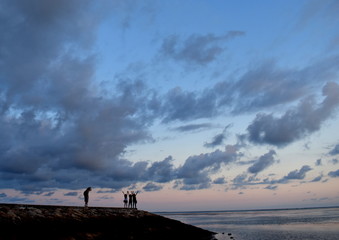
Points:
(134, 199)
(130, 199)
(86, 195)
(125, 199)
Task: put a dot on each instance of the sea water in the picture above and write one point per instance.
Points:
(276, 224)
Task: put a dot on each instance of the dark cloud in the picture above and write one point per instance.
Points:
(107, 191)
(335, 150)
(218, 139)
(272, 83)
(317, 179)
(189, 186)
(327, 11)
(196, 49)
(318, 162)
(57, 129)
(162, 171)
(334, 161)
(298, 174)
(243, 180)
(295, 123)
(334, 173)
(277, 87)
(271, 187)
(151, 187)
(193, 127)
(71, 194)
(3, 195)
(196, 169)
(220, 180)
(184, 105)
(48, 194)
(263, 162)
(240, 180)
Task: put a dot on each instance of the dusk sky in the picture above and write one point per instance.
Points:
(197, 104)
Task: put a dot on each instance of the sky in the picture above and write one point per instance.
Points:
(196, 104)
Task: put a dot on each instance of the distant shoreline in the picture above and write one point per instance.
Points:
(244, 210)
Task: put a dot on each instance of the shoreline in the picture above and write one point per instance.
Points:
(26, 221)
(241, 210)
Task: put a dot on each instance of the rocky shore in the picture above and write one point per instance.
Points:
(64, 222)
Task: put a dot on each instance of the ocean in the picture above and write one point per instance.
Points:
(275, 224)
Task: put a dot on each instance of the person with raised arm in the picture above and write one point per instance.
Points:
(134, 199)
(125, 199)
(130, 199)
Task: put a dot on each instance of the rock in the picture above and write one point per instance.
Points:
(63, 222)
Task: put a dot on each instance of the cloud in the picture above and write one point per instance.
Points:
(297, 174)
(195, 172)
(263, 162)
(162, 171)
(220, 180)
(243, 180)
(240, 180)
(48, 194)
(218, 139)
(334, 161)
(57, 128)
(196, 169)
(317, 179)
(193, 127)
(277, 87)
(196, 49)
(295, 123)
(3, 195)
(184, 105)
(335, 150)
(71, 194)
(318, 162)
(151, 187)
(334, 173)
(271, 187)
(327, 11)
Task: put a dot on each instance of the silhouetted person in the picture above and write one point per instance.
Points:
(130, 200)
(125, 199)
(134, 199)
(86, 195)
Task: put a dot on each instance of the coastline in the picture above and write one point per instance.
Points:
(24, 221)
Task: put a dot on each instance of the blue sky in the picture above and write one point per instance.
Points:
(200, 105)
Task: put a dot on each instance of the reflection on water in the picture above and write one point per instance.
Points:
(296, 224)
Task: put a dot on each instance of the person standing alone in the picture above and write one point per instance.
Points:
(86, 195)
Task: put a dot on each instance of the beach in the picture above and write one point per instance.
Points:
(276, 224)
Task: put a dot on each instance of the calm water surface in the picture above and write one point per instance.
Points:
(291, 224)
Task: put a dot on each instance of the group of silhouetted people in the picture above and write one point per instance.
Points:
(130, 198)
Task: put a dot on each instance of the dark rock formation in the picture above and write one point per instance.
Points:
(62, 222)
